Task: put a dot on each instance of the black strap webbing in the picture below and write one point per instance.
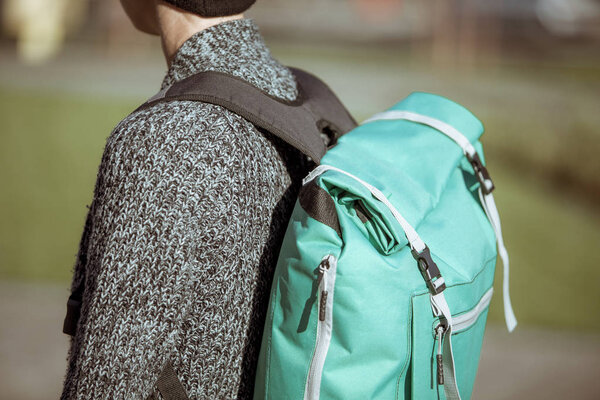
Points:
(169, 385)
(73, 311)
(319, 204)
(299, 123)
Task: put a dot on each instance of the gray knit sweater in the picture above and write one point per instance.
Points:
(179, 247)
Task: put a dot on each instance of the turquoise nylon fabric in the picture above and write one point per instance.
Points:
(383, 339)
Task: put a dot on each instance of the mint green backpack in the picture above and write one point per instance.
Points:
(386, 271)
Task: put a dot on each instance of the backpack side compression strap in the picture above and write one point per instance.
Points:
(299, 123)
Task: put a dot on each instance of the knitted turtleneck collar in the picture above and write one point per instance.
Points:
(237, 48)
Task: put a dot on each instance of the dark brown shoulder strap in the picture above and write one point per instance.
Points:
(299, 123)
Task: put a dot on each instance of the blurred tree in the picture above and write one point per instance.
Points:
(40, 26)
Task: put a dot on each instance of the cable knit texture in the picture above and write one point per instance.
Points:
(180, 243)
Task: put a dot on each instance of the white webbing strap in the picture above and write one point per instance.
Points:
(440, 309)
(487, 200)
(441, 126)
(489, 206)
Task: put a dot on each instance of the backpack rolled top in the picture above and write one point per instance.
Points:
(386, 271)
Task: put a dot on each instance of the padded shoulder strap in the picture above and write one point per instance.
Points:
(299, 123)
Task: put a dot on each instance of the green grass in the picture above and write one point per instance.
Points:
(552, 241)
(51, 148)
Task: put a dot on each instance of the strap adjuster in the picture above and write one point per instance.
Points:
(430, 271)
(483, 176)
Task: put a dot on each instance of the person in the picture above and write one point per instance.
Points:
(188, 214)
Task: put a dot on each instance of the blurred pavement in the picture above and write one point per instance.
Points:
(556, 365)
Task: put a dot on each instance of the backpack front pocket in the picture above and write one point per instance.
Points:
(432, 365)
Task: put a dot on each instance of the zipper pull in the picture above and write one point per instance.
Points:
(440, 364)
(323, 268)
(323, 305)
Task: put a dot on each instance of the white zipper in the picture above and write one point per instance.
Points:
(327, 270)
(466, 320)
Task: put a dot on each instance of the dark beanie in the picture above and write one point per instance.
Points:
(213, 8)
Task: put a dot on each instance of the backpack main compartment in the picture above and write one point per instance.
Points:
(350, 316)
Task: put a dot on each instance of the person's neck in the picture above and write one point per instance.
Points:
(177, 26)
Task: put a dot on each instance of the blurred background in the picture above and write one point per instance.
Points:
(70, 70)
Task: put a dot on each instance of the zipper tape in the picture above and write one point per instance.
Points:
(466, 320)
(327, 269)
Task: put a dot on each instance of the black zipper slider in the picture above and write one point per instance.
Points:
(323, 268)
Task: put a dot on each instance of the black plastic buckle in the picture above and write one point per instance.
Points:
(430, 271)
(483, 176)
